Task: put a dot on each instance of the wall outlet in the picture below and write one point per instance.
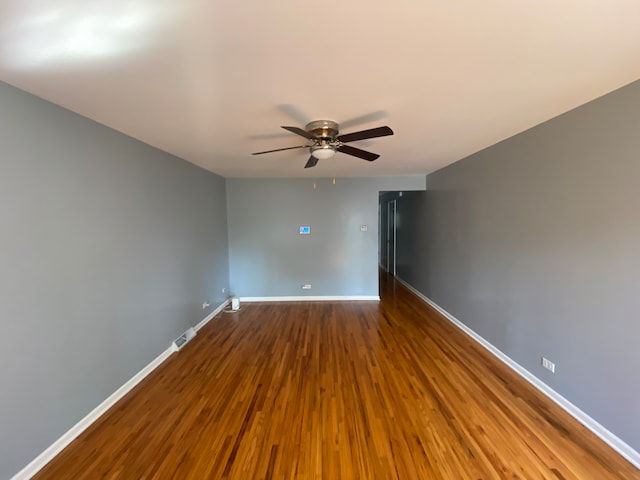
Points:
(205, 305)
(225, 289)
(306, 286)
(548, 364)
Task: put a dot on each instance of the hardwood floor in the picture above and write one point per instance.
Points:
(336, 391)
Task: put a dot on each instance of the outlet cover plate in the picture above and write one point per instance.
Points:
(548, 364)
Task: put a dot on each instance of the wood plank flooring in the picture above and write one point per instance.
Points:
(343, 390)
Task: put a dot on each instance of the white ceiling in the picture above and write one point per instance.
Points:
(212, 81)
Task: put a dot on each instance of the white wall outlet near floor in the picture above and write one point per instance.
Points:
(306, 286)
(548, 364)
(206, 305)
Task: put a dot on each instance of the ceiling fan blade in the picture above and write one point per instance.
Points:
(301, 132)
(364, 134)
(367, 118)
(356, 152)
(280, 149)
(311, 162)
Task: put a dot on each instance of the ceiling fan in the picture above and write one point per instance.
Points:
(326, 141)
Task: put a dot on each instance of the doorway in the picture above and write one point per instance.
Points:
(391, 237)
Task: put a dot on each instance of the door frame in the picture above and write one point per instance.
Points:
(391, 236)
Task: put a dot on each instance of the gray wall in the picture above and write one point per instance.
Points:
(108, 248)
(269, 258)
(534, 243)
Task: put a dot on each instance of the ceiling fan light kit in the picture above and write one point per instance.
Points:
(326, 141)
(323, 152)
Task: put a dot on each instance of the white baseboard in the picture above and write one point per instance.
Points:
(311, 299)
(602, 432)
(45, 457)
(206, 319)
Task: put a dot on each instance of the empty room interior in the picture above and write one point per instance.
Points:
(236, 245)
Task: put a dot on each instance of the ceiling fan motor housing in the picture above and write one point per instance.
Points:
(323, 129)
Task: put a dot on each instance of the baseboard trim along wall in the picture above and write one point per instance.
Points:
(56, 447)
(206, 319)
(602, 432)
(312, 299)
